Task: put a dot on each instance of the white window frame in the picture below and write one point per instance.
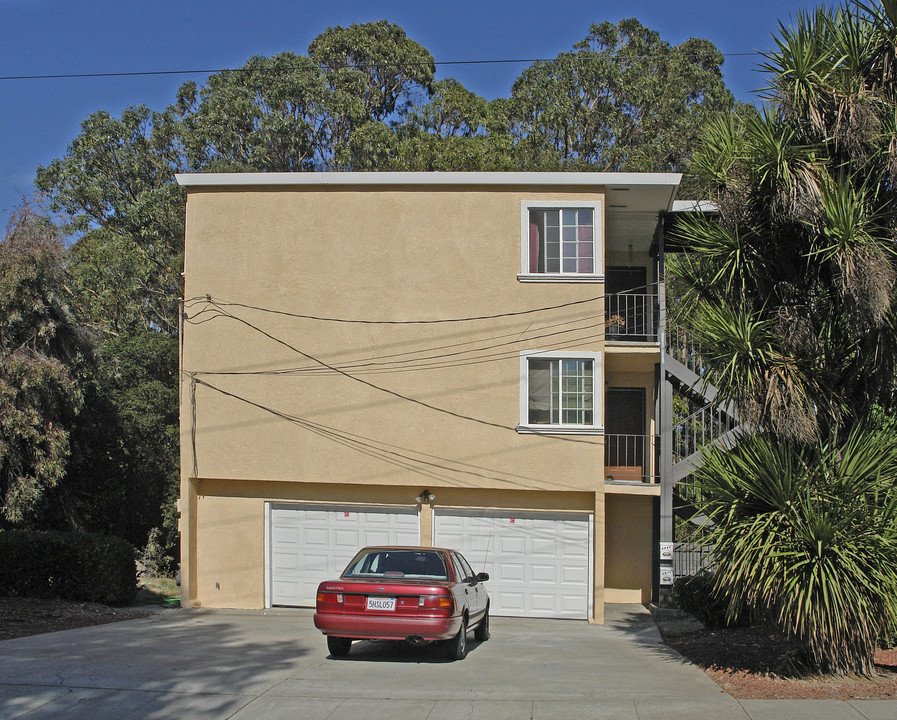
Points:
(597, 426)
(597, 241)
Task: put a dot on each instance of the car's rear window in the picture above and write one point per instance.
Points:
(411, 564)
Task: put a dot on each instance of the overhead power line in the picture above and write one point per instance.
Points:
(162, 73)
(419, 461)
(217, 302)
(371, 385)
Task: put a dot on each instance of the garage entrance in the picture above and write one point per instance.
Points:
(310, 543)
(539, 563)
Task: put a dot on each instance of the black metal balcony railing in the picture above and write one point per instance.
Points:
(632, 317)
(627, 458)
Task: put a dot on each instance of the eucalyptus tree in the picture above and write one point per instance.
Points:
(43, 355)
(116, 186)
(622, 99)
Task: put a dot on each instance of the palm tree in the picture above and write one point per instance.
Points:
(806, 538)
(792, 285)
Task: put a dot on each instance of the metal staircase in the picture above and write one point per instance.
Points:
(709, 422)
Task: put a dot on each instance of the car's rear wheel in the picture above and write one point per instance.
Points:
(482, 630)
(456, 648)
(339, 646)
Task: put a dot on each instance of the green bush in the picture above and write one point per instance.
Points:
(694, 595)
(71, 566)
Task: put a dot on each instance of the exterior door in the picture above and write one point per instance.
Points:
(627, 304)
(625, 439)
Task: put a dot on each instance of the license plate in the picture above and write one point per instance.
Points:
(381, 603)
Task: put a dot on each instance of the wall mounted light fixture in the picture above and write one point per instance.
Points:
(425, 497)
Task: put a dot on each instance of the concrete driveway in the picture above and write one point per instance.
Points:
(274, 664)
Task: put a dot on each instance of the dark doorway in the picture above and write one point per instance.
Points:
(625, 456)
(627, 304)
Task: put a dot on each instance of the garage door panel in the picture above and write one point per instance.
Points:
(539, 563)
(543, 603)
(570, 604)
(543, 574)
(315, 562)
(510, 545)
(513, 602)
(510, 572)
(310, 543)
(286, 561)
(315, 536)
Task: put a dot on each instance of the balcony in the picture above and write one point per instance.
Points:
(631, 317)
(628, 458)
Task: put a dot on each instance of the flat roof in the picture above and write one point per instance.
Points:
(622, 179)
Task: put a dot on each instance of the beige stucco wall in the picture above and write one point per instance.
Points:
(265, 416)
(380, 255)
(230, 519)
(628, 570)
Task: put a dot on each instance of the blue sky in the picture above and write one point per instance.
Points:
(40, 118)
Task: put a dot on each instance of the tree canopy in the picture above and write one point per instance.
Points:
(793, 284)
(42, 353)
(791, 288)
(362, 97)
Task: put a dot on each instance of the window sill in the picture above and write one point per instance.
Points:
(559, 430)
(559, 278)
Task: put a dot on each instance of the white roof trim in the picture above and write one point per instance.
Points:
(427, 178)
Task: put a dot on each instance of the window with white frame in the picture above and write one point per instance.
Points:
(561, 241)
(559, 392)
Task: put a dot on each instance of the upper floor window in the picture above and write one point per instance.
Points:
(561, 241)
(558, 392)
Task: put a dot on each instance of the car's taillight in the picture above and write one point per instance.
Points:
(330, 598)
(435, 601)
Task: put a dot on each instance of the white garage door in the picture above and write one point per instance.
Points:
(311, 543)
(539, 564)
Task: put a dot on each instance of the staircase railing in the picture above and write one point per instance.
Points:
(702, 427)
(684, 347)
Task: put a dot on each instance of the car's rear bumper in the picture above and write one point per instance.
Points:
(385, 627)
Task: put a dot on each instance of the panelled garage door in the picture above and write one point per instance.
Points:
(311, 543)
(539, 564)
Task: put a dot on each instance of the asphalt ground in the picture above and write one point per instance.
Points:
(266, 665)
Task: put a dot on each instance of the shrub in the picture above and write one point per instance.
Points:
(806, 536)
(694, 594)
(71, 566)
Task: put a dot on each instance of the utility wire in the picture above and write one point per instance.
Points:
(359, 66)
(416, 356)
(224, 303)
(371, 385)
(416, 364)
(402, 457)
(413, 361)
(379, 388)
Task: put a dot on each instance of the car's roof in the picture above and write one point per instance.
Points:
(404, 547)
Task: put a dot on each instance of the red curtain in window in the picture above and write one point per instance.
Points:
(533, 243)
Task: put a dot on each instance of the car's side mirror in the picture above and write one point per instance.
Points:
(482, 577)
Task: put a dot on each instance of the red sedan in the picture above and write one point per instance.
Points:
(415, 594)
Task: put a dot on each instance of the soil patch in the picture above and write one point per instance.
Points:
(752, 663)
(20, 616)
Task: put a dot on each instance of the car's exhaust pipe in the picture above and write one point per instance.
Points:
(416, 640)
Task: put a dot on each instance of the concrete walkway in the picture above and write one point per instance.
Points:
(274, 664)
